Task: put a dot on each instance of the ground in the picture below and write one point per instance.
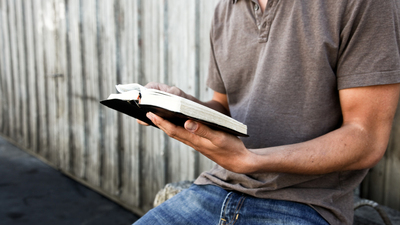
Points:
(32, 192)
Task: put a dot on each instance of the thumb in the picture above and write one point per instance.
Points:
(198, 129)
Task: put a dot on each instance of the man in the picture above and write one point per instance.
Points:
(317, 84)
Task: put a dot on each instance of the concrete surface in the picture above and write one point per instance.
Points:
(33, 193)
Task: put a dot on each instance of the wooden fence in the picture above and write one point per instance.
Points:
(59, 58)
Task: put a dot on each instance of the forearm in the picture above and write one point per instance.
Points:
(350, 147)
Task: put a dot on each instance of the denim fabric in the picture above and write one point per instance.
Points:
(210, 204)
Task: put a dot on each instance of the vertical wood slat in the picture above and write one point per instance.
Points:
(13, 73)
(76, 86)
(21, 86)
(55, 74)
(60, 82)
(3, 92)
(107, 59)
(152, 157)
(41, 84)
(31, 74)
(92, 89)
(181, 73)
(4, 69)
(50, 75)
(129, 55)
(72, 73)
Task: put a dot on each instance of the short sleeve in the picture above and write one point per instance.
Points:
(369, 51)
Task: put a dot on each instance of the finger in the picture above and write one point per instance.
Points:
(177, 132)
(158, 86)
(152, 85)
(200, 130)
(214, 138)
(169, 89)
(169, 128)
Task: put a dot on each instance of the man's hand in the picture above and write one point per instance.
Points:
(225, 149)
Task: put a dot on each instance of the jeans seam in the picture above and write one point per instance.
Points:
(224, 205)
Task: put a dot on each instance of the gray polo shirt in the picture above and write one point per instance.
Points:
(282, 70)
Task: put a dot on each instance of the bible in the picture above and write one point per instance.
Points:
(136, 100)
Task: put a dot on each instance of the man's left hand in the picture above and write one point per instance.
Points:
(224, 149)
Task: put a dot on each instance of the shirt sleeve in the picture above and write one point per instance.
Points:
(369, 52)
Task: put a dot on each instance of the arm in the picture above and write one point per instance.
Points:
(358, 144)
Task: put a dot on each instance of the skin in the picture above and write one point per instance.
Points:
(359, 143)
(263, 4)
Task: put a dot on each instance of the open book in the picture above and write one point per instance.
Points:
(168, 106)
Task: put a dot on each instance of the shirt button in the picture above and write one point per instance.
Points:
(256, 7)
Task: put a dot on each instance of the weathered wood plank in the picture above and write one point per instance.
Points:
(63, 119)
(22, 86)
(71, 72)
(129, 73)
(15, 126)
(51, 75)
(2, 75)
(91, 51)
(182, 73)
(41, 82)
(10, 127)
(76, 87)
(107, 57)
(31, 74)
(56, 75)
(153, 155)
(3, 71)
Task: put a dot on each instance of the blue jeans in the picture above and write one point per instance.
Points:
(210, 204)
